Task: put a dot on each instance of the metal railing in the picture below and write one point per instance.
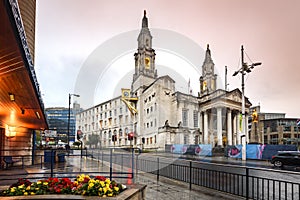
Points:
(246, 182)
(242, 181)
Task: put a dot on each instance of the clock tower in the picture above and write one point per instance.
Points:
(145, 72)
(208, 80)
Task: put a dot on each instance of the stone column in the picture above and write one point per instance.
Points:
(246, 128)
(235, 129)
(201, 127)
(205, 131)
(219, 126)
(238, 132)
(229, 127)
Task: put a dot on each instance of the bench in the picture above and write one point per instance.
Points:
(9, 161)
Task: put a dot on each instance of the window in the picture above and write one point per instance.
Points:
(195, 118)
(184, 117)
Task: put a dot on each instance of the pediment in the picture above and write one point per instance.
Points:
(236, 96)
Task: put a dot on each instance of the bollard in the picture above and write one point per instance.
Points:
(157, 169)
(110, 165)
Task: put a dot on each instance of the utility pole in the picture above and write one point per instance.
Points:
(226, 78)
(243, 70)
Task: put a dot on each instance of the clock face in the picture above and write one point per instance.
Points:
(147, 63)
(126, 94)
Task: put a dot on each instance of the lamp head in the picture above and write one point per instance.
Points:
(235, 73)
(256, 64)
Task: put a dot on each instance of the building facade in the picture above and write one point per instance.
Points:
(58, 119)
(156, 114)
(272, 128)
(22, 114)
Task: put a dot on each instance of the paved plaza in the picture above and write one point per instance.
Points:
(163, 189)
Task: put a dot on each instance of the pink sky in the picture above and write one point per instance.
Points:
(69, 30)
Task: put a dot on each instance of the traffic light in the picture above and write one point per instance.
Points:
(130, 136)
(114, 138)
(79, 134)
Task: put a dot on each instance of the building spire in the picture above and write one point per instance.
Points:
(145, 20)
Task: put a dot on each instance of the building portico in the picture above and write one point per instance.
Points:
(220, 112)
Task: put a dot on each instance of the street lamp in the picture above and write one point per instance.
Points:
(243, 70)
(76, 95)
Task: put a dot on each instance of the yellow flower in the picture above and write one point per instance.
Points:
(116, 189)
(21, 186)
(107, 181)
(107, 185)
(91, 185)
(39, 182)
(110, 194)
(80, 179)
(83, 193)
(104, 190)
(32, 193)
(12, 189)
(45, 183)
(28, 187)
(25, 193)
(102, 183)
(100, 189)
(37, 188)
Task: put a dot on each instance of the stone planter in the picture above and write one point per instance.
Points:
(133, 192)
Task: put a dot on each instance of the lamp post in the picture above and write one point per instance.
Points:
(243, 70)
(76, 95)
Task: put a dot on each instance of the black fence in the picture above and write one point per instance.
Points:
(246, 182)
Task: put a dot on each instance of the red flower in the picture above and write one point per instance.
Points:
(58, 191)
(100, 178)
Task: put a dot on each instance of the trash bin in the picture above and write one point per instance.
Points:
(49, 155)
(61, 157)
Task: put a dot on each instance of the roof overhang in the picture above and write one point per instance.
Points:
(17, 75)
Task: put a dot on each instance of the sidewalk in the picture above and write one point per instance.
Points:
(163, 189)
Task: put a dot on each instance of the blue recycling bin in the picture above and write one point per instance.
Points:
(49, 156)
(61, 157)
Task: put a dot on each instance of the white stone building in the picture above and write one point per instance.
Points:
(164, 115)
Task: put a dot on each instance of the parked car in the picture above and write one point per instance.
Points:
(286, 158)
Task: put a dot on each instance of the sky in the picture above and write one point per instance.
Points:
(73, 34)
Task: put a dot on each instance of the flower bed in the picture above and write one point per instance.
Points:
(83, 185)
